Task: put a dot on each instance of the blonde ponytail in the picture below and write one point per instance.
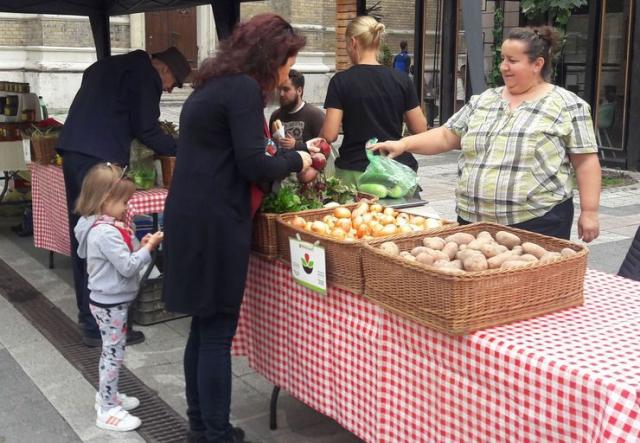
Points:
(367, 31)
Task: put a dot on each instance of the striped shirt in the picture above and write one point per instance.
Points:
(514, 165)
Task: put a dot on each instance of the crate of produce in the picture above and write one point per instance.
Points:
(148, 307)
(473, 277)
(264, 238)
(342, 230)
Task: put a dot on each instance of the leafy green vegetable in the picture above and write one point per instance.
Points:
(294, 196)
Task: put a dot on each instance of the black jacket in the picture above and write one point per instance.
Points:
(207, 218)
(118, 100)
(631, 265)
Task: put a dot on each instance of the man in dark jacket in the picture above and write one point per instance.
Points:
(118, 100)
(630, 267)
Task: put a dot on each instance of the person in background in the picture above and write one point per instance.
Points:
(368, 100)
(208, 213)
(114, 280)
(302, 121)
(118, 100)
(460, 89)
(402, 60)
(519, 143)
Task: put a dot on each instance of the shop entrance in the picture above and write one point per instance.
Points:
(176, 27)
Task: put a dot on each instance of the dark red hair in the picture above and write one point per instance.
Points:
(258, 48)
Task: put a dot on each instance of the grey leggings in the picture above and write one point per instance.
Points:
(112, 323)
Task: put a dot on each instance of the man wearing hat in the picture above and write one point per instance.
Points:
(118, 100)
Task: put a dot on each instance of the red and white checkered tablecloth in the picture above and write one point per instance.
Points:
(572, 376)
(50, 218)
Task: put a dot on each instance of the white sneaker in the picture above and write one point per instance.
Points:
(117, 419)
(127, 403)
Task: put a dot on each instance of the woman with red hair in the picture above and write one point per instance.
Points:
(221, 153)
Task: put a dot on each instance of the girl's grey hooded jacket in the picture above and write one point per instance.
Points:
(114, 271)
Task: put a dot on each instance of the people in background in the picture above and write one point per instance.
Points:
(368, 100)
(301, 121)
(118, 100)
(208, 213)
(402, 60)
(519, 144)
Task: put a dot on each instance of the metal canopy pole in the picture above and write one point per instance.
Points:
(101, 35)
(418, 49)
(633, 117)
(449, 58)
(226, 13)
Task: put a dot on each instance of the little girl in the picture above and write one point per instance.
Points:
(113, 268)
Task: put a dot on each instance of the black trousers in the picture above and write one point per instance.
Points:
(207, 370)
(555, 223)
(75, 167)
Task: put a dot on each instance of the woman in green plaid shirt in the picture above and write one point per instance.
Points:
(518, 145)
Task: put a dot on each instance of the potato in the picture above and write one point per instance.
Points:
(511, 264)
(492, 249)
(441, 263)
(550, 257)
(528, 257)
(462, 255)
(460, 247)
(517, 250)
(425, 259)
(434, 243)
(451, 249)
(461, 238)
(457, 264)
(390, 248)
(485, 235)
(438, 255)
(533, 249)
(478, 243)
(407, 256)
(568, 252)
(507, 239)
(496, 261)
(475, 263)
(419, 250)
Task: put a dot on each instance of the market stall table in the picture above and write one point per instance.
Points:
(569, 376)
(50, 218)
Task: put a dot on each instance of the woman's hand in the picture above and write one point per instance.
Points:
(313, 145)
(390, 148)
(306, 160)
(588, 226)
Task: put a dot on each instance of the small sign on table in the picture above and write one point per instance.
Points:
(308, 265)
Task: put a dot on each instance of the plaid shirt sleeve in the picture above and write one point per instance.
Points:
(581, 138)
(458, 123)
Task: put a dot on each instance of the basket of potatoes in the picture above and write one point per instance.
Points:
(473, 277)
(342, 230)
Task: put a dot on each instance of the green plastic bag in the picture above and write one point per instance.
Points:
(386, 178)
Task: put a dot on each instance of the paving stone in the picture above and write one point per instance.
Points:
(21, 397)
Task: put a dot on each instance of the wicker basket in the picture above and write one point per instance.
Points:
(43, 149)
(461, 304)
(343, 258)
(168, 165)
(264, 240)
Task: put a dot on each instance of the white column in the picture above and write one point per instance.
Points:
(206, 32)
(137, 31)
